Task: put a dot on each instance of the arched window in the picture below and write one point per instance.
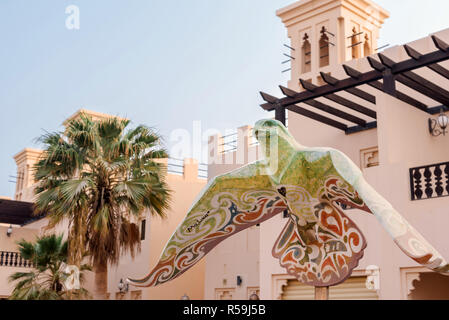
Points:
(324, 48)
(367, 46)
(306, 55)
(355, 44)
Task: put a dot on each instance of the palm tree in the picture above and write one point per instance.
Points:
(46, 281)
(101, 178)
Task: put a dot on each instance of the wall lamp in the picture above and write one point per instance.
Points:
(438, 126)
(123, 287)
(9, 231)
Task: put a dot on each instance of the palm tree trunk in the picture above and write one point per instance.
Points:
(101, 282)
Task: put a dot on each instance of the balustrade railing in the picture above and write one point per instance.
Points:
(229, 143)
(203, 171)
(428, 182)
(13, 259)
(176, 166)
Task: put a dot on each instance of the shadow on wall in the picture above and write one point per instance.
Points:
(431, 286)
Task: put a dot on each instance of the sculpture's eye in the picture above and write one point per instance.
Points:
(283, 192)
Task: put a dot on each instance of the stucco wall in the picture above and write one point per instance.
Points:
(9, 244)
(403, 142)
(158, 231)
(185, 188)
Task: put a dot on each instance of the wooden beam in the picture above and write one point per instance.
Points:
(268, 98)
(369, 126)
(434, 57)
(324, 107)
(424, 87)
(437, 110)
(338, 113)
(412, 53)
(413, 76)
(13, 219)
(352, 105)
(440, 44)
(355, 91)
(389, 82)
(288, 92)
(440, 70)
(434, 67)
(379, 86)
(401, 96)
(374, 75)
(328, 89)
(376, 65)
(340, 100)
(280, 114)
(317, 117)
(309, 86)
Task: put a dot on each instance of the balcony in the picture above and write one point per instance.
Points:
(429, 182)
(13, 260)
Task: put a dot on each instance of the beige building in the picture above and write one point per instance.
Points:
(390, 141)
(186, 180)
(393, 147)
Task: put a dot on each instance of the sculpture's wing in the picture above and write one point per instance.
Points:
(410, 241)
(321, 246)
(228, 205)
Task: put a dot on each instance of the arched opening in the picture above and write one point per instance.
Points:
(306, 55)
(430, 286)
(355, 43)
(367, 46)
(324, 48)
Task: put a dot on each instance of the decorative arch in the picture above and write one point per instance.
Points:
(355, 44)
(324, 48)
(367, 45)
(306, 54)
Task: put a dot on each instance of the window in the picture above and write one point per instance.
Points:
(142, 229)
(355, 43)
(306, 55)
(19, 179)
(324, 48)
(353, 288)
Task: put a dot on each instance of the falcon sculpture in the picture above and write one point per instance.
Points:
(319, 245)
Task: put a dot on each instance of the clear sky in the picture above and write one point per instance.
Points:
(161, 63)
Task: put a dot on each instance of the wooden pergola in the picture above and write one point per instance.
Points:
(18, 212)
(384, 76)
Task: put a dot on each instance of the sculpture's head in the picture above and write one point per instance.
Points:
(273, 134)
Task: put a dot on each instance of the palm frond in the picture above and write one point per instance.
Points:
(96, 174)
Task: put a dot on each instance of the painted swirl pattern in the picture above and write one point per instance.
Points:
(320, 245)
(227, 214)
(322, 251)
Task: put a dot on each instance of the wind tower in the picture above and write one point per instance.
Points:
(326, 33)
